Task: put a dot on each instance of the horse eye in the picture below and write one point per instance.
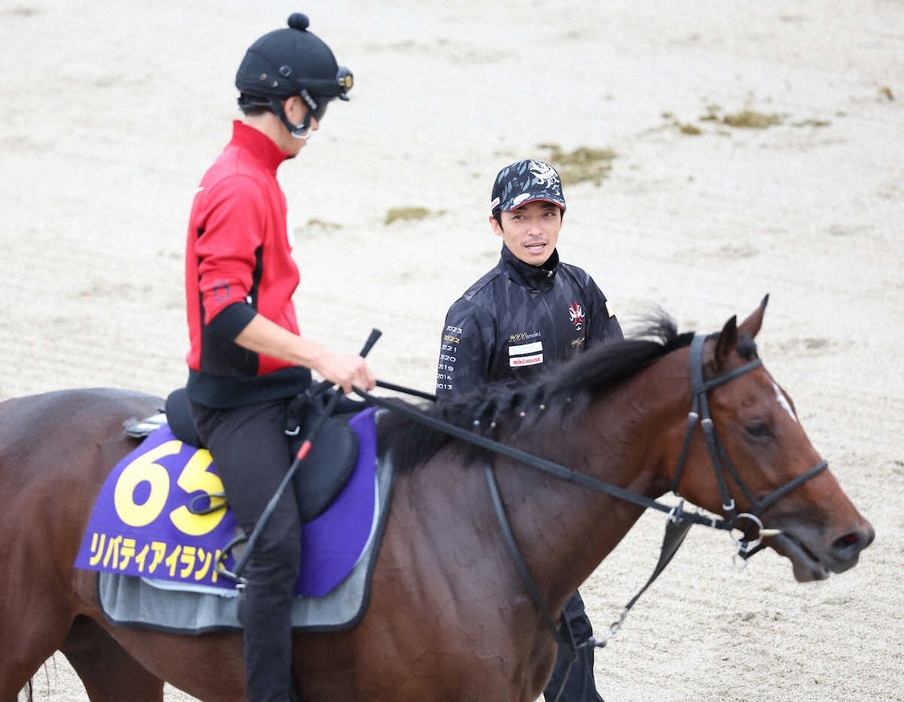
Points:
(758, 430)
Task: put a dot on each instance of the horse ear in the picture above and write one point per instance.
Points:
(725, 344)
(751, 325)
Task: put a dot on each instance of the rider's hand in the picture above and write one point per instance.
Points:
(347, 371)
(263, 336)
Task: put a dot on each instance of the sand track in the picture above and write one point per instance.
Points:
(113, 110)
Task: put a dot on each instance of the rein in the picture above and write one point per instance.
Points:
(542, 464)
(680, 520)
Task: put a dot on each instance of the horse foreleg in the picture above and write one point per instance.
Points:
(107, 671)
(31, 629)
(21, 656)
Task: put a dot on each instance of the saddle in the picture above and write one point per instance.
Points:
(164, 576)
(328, 465)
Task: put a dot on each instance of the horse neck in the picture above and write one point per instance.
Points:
(565, 529)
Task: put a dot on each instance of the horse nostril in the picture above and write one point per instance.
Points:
(847, 547)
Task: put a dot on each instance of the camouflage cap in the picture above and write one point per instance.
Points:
(526, 181)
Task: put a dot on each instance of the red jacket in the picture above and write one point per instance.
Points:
(238, 263)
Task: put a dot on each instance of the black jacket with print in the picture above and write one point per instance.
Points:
(517, 320)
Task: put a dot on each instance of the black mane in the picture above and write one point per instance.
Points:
(498, 410)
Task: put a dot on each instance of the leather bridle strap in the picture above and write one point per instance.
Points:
(675, 531)
(721, 462)
(700, 388)
(542, 464)
(565, 645)
(680, 520)
(776, 495)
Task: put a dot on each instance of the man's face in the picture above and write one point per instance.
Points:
(531, 231)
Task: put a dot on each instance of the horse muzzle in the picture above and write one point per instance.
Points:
(814, 556)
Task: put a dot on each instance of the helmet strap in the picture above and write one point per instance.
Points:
(274, 105)
(299, 131)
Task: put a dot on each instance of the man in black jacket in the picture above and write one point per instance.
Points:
(529, 312)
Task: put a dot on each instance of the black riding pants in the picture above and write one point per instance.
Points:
(580, 686)
(252, 455)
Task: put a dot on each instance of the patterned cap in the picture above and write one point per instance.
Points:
(526, 181)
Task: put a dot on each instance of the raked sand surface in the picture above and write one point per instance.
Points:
(742, 149)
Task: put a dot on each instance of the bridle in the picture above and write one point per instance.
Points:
(699, 413)
(679, 521)
(721, 463)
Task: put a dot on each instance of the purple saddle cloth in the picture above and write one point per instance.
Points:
(141, 524)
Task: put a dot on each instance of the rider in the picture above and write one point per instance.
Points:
(528, 312)
(248, 359)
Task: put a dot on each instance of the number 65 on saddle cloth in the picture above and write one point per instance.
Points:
(142, 524)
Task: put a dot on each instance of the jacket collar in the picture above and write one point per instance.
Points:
(262, 147)
(528, 276)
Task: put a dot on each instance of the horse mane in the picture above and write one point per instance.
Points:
(498, 410)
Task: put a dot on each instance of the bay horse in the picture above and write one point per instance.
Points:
(450, 616)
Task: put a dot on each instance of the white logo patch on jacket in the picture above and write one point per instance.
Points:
(525, 354)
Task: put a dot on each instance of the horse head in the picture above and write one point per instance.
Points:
(754, 464)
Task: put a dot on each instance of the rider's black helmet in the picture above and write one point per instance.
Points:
(292, 61)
